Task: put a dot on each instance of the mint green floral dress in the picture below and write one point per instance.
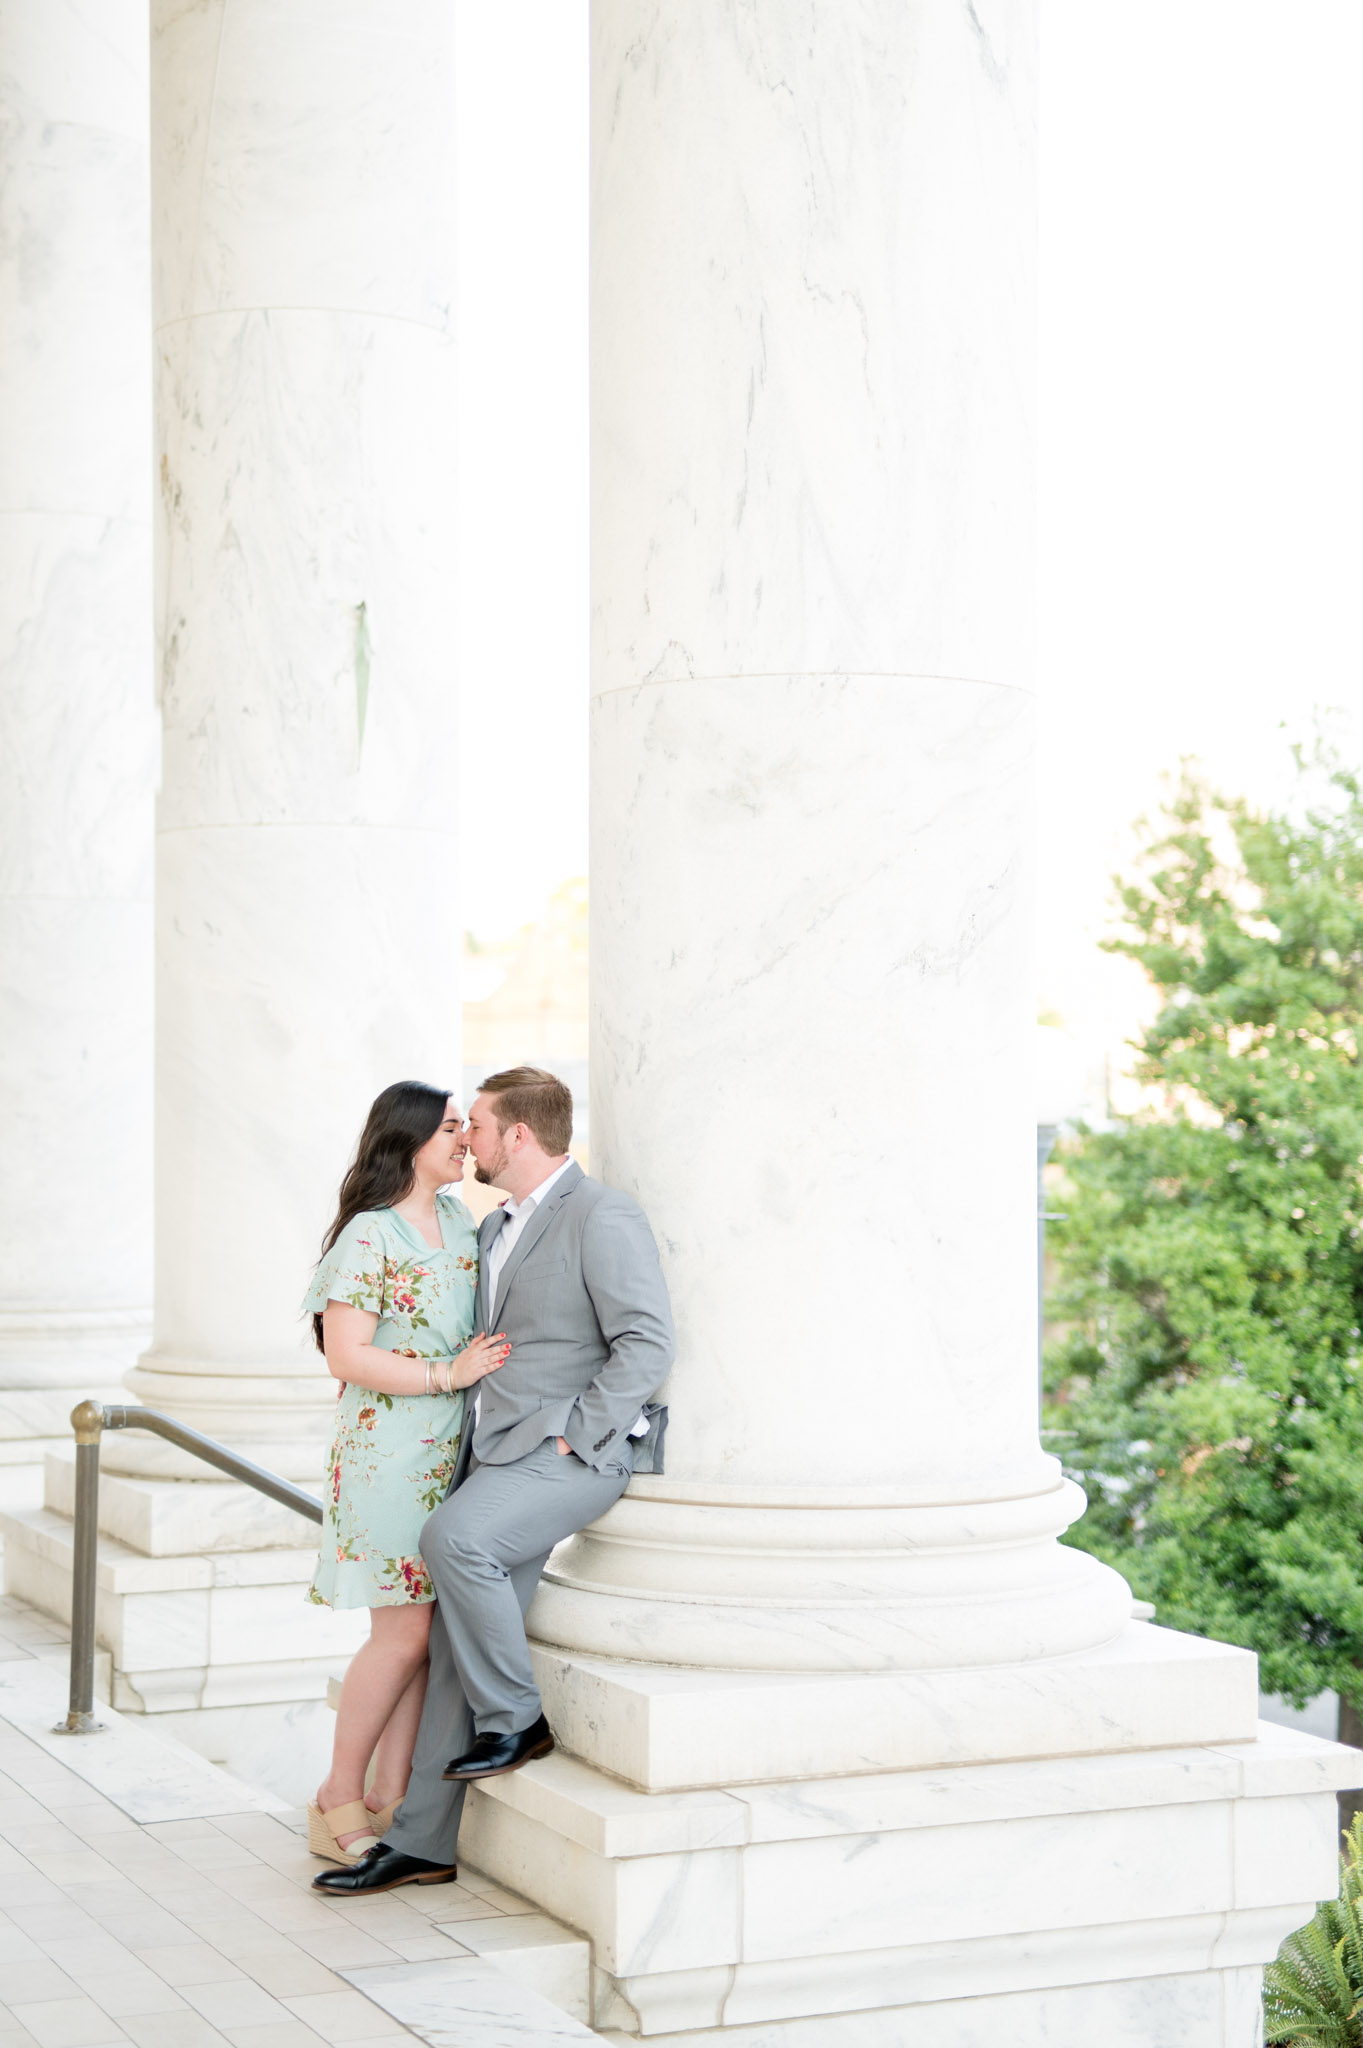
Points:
(393, 1455)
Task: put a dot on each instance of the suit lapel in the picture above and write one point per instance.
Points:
(488, 1229)
(534, 1230)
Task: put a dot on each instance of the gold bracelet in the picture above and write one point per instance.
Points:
(428, 1375)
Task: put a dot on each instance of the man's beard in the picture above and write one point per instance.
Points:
(488, 1174)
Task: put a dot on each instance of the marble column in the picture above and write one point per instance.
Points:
(814, 312)
(307, 924)
(853, 1751)
(77, 731)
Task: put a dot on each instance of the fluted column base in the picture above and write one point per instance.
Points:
(664, 1728)
(759, 1579)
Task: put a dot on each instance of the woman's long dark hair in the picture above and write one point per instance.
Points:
(399, 1122)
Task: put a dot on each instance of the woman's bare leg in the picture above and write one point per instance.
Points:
(393, 1756)
(379, 1675)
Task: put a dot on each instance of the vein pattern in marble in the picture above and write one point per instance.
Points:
(466, 2003)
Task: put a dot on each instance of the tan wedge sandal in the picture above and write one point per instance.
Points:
(323, 1828)
(381, 1821)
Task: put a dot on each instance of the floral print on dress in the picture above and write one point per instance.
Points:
(392, 1455)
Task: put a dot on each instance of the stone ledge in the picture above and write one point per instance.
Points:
(671, 1728)
(122, 1569)
(614, 1820)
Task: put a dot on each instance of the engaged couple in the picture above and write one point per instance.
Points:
(495, 1397)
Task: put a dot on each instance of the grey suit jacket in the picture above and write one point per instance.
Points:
(583, 1301)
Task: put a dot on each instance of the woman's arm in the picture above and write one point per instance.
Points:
(352, 1356)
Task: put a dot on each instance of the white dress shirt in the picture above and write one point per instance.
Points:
(518, 1215)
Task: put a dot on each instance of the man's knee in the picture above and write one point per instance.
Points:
(452, 1550)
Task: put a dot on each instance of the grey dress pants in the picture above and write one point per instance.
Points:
(485, 1547)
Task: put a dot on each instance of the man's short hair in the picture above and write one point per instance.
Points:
(531, 1095)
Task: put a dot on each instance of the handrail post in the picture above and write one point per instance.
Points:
(88, 1422)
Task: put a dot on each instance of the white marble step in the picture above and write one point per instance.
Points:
(466, 2004)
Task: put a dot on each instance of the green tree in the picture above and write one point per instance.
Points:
(1206, 1390)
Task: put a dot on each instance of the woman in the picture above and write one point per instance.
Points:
(392, 1313)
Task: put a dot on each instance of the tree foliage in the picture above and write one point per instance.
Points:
(1206, 1392)
(1313, 1992)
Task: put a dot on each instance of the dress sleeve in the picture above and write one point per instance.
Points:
(352, 1271)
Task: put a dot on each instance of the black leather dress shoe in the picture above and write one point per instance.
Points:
(491, 1755)
(381, 1870)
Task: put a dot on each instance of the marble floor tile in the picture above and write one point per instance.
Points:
(26, 1983)
(104, 1899)
(89, 1880)
(289, 1976)
(504, 1901)
(147, 1926)
(451, 1902)
(45, 1837)
(238, 2002)
(23, 1886)
(12, 2034)
(74, 1954)
(68, 2023)
(215, 1853)
(53, 1920)
(95, 1820)
(275, 2034)
(271, 1842)
(241, 1937)
(123, 1993)
(383, 1917)
(518, 1930)
(426, 1948)
(341, 1944)
(15, 1945)
(342, 2016)
(173, 2030)
(254, 1881)
(190, 1962)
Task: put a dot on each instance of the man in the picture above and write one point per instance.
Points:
(569, 1271)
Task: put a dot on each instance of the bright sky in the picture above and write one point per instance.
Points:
(1201, 433)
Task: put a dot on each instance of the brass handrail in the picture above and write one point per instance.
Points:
(89, 1421)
